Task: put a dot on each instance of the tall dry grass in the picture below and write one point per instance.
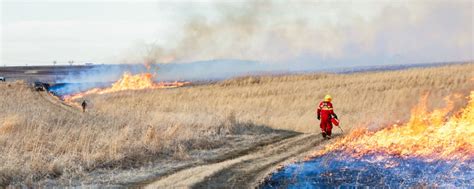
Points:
(289, 102)
(41, 140)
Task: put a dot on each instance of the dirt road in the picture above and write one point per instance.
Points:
(246, 171)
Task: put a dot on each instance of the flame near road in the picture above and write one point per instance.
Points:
(431, 135)
(129, 82)
(433, 149)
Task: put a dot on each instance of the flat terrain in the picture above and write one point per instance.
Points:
(40, 73)
(235, 131)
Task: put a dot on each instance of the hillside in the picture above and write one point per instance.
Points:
(288, 102)
(43, 139)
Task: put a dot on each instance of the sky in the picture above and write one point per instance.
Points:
(345, 33)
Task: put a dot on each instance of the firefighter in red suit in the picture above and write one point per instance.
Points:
(325, 112)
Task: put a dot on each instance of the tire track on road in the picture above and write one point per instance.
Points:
(245, 171)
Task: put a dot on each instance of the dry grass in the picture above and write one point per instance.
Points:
(289, 102)
(40, 140)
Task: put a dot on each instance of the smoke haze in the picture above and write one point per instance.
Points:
(216, 40)
(321, 33)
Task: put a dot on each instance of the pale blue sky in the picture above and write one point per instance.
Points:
(38, 32)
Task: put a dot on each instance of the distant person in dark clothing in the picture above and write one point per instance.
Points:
(84, 104)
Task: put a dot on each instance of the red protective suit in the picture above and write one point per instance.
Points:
(324, 112)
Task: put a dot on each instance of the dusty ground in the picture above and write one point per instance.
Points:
(246, 171)
(222, 159)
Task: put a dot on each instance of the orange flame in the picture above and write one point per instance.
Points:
(431, 135)
(129, 82)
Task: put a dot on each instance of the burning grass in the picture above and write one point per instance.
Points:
(128, 82)
(371, 99)
(129, 128)
(431, 135)
(433, 149)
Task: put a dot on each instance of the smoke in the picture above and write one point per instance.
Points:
(321, 33)
(229, 39)
(104, 75)
(93, 77)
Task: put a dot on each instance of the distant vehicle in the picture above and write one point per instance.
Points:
(40, 86)
(2, 79)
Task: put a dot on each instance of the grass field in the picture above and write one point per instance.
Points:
(289, 102)
(40, 140)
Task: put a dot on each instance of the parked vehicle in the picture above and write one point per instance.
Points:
(40, 86)
(2, 79)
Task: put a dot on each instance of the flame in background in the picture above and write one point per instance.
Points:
(430, 135)
(128, 82)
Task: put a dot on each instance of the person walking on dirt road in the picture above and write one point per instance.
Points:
(325, 112)
(84, 104)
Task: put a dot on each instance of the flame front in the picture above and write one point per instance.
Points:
(128, 82)
(429, 135)
(131, 82)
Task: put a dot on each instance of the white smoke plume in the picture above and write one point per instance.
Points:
(361, 32)
(253, 37)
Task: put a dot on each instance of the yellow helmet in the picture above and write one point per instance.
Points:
(327, 98)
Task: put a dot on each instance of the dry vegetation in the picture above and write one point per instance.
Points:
(40, 140)
(289, 102)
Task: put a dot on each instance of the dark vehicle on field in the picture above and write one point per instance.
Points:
(40, 86)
